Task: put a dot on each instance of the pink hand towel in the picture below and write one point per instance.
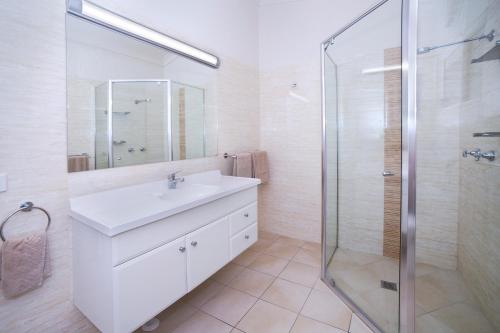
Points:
(260, 166)
(242, 166)
(24, 263)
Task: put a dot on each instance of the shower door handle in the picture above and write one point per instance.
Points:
(387, 173)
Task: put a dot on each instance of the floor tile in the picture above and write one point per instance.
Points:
(246, 258)
(308, 257)
(174, 316)
(227, 273)
(440, 288)
(229, 305)
(327, 308)
(300, 273)
(203, 323)
(456, 318)
(261, 245)
(204, 292)
(268, 264)
(268, 235)
(289, 241)
(321, 286)
(252, 282)
(307, 325)
(357, 326)
(282, 250)
(235, 330)
(286, 294)
(312, 246)
(267, 318)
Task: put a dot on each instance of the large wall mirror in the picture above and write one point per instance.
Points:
(131, 102)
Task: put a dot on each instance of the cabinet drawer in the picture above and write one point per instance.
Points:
(146, 285)
(242, 218)
(243, 240)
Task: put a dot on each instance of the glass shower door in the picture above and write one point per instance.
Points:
(362, 164)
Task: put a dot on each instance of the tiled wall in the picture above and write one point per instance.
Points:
(34, 142)
(290, 37)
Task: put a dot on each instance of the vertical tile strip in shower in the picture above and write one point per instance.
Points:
(392, 152)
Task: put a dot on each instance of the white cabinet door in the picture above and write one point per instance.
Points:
(208, 251)
(146, 285)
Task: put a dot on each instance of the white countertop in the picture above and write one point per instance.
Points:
(119, 210)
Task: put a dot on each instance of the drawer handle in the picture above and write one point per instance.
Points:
(182, 249)
(247, 236)
(194, 243)
(246, 214)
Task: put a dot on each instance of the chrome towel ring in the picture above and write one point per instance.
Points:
(25, 207)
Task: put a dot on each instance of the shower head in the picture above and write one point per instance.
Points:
(146, 100)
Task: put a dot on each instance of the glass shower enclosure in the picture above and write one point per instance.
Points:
(411, 192)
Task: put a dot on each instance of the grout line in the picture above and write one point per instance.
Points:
(301, 308)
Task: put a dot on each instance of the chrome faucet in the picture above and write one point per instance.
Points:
(478, 154)
(173, 179)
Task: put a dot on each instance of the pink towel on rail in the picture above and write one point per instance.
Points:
(24, 264)
(242, 165)
(260, 166)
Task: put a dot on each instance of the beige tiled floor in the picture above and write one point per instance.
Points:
(273, 287)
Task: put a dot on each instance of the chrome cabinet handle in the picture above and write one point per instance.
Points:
(387, 173)
(247, 236)
(194, 243)
(246, 214)
(182, 249)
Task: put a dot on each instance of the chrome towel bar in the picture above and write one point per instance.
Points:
(486, 135)
(226, 155)
(25, 207)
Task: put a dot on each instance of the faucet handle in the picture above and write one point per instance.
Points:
(172, 175)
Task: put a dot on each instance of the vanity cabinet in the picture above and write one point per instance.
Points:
(121, 281)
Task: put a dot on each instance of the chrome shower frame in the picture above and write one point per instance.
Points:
(409, 11)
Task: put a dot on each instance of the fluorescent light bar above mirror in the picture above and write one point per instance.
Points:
(92, 12)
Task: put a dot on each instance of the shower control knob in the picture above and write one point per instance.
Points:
(194, 243)
(247, 236)
(246, 214)
(182, 249)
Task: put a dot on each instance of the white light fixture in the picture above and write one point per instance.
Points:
(97, 14)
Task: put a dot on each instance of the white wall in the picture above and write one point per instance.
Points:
(33, 124)
(290, 35)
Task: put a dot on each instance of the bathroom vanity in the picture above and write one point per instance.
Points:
(138, 249)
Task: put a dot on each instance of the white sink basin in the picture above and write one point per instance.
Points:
(119, 210)
(186, 191)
